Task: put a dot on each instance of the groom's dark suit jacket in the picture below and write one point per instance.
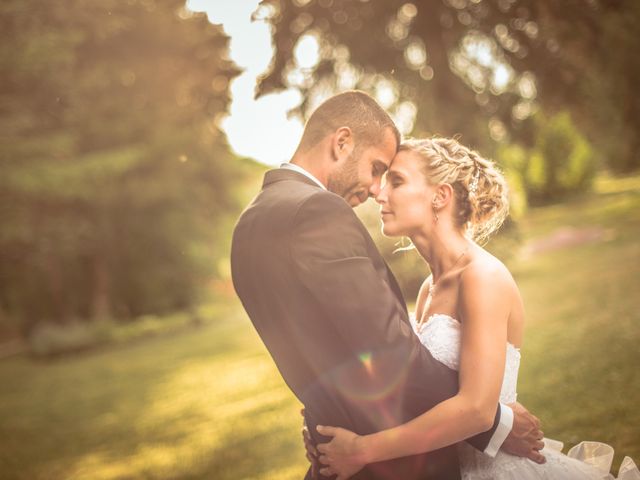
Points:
(331, 314)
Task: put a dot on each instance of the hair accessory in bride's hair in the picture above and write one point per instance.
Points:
(473, 187)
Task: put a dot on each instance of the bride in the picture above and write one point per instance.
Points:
(469, 314)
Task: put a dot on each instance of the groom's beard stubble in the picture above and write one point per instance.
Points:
(344, 182)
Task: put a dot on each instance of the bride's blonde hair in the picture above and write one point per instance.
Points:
(480, 189)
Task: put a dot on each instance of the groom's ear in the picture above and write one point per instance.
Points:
(342, 144)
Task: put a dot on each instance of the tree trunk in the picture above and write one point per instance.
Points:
(100, 301)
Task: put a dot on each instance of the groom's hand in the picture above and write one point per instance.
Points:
(525, 438)
(311, 451)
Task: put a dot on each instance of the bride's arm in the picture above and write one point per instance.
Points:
(484, 305)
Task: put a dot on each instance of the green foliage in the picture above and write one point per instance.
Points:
(610, 104)
(445, 57)
(116, 183)
(560, 164)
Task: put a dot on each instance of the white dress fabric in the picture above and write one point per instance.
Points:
(588, 460)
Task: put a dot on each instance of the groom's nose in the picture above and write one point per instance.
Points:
(374, 189)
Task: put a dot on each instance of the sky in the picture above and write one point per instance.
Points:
(259, 128)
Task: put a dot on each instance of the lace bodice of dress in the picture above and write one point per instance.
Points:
(441, 335)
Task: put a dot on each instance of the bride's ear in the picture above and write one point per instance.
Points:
(443, 195)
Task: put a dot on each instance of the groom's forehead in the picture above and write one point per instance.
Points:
(376, 158)
(385, 149)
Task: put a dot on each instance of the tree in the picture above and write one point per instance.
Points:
(114, 174)
(477, 67)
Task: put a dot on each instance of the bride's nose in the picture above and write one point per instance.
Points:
(381, 197)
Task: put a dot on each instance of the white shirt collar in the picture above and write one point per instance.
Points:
(299, 169)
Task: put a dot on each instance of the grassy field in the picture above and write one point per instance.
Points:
(581, 358)
(207, 403)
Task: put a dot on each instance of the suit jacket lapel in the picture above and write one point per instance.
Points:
(396, 288)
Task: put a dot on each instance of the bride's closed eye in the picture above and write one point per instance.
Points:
(395, 181)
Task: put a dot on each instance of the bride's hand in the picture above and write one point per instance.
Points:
(344, 455)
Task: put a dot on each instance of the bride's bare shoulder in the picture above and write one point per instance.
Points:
(487, 268)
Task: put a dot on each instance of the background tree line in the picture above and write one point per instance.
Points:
(118, 190)
(115, 181)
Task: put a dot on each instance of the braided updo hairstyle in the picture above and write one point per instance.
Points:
(481, 192)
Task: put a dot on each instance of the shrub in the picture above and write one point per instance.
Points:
(50, 339)
(560, 164)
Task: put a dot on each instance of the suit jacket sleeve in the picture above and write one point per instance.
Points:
(329, 249)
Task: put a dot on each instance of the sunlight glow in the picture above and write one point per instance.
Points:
(405, 117)
(258, 129)
(385, 92)
(415, 54)
(307, 51)
(501, 77)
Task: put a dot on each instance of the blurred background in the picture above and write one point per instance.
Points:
(132, 134)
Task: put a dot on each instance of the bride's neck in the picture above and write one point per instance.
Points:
(440, 250)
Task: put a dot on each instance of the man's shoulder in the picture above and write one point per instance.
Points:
(293, 196)
(281, 206)
(326, 204)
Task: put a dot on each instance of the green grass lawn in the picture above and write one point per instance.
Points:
(581, 358)
(203, 403)
(207, 402)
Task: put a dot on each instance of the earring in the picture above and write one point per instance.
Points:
(435, 212)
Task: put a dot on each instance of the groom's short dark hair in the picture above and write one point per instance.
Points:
(354, 109)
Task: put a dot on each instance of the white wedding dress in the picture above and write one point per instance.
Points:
(588, 460)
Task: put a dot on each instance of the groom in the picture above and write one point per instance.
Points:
(328, 308)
